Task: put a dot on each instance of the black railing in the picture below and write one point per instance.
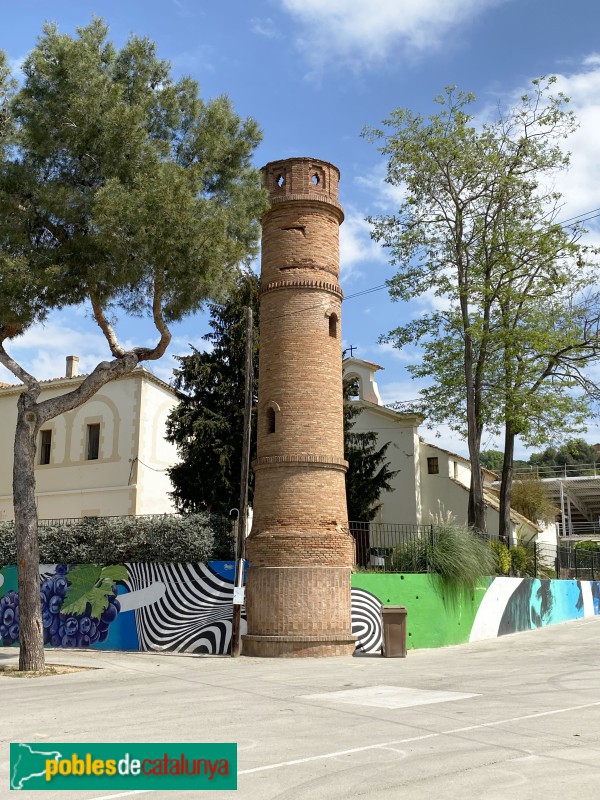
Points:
(378, 544)
(68, 521)
(386, 547)
(391, 547)
(578, 563)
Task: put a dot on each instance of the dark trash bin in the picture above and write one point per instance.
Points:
(394, 631)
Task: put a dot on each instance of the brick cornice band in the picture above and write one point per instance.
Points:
(301, 459)
(310, 197)
(303, 283)
(342, 638)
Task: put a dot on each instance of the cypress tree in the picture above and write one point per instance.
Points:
(207, 425)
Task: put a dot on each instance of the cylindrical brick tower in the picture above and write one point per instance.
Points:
(300, 550)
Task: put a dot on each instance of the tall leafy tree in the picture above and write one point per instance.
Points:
(369, 472)
(478, 229)
(121, 188)
(574, 454)
(207, 424)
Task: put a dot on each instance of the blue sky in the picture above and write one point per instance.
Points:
(313, 73)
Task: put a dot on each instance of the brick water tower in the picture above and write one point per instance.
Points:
(300, 550)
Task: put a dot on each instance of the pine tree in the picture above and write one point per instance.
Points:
(369, 473)
(122, 189)
(207, 425)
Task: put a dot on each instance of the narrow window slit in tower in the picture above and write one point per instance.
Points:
(280, 181)
(271, 422)
(333, 321)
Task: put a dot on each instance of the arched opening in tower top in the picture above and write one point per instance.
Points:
(280, 180)
(333, 325)
(271, 420)
(315, 179)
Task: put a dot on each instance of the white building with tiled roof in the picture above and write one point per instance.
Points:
(106, 458)
(430, 480)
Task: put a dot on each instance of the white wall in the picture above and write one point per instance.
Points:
(154, 453)
(131, 418)
(404, 503)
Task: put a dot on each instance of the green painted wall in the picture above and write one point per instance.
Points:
(434, 619)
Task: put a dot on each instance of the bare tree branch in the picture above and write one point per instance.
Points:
(107, 329)
(18, 371)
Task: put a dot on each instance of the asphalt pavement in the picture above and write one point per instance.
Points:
(516, 717)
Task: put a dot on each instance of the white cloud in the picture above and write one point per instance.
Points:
(580, 185)
(42, 350)
(264, 27)
(386, 198)
(200, 59)
(356, 245)
(406, 355)
(361, 34)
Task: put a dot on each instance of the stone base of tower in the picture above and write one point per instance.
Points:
(298, 612)
(297, 647)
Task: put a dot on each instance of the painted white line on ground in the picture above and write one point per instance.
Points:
(123, 794)
(338, 753)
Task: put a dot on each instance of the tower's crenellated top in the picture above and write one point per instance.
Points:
(302, 179)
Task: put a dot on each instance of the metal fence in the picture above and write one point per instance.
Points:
(391, 547)
(561, 471)
(378, 543)
(578, 529)
(577, 563)
(385, 547)
(60, 522)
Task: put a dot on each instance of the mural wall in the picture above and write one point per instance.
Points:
(187, 607)
(496, 607)
(171, 607)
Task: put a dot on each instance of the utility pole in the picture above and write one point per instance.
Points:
(238, 590)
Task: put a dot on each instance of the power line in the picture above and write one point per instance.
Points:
(572, 220)
(366, 291)
(577, 216)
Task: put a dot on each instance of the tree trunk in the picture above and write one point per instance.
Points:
(31, 654)
(506, 486)
(476, 514)
(476, 509)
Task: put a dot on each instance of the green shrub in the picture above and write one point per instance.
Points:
(456, 554)
(409, 556)
(459, 557)
(501, 558)
(522, 561)
(113, 540)
(587, 545)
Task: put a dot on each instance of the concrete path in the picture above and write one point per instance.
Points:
(516, 717)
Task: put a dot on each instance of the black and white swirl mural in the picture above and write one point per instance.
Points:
(181, 608)
(366, 621)
(187, 608)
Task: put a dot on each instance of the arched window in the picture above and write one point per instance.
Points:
(271, 420)
(333, 325)
(352, 384)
